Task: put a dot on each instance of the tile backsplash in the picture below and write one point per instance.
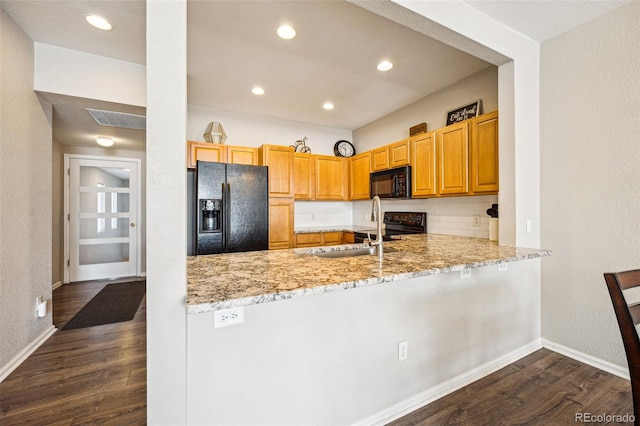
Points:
(450, 215)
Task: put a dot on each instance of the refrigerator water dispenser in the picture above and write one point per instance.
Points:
(211, 211)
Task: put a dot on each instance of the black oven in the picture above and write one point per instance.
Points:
(394, 183)
(397, 224)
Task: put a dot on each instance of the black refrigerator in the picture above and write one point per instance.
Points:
(230, 205)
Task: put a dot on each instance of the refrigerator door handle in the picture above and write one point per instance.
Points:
(227, 230)
(224, 223)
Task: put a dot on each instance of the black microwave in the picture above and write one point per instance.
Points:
(393, 183)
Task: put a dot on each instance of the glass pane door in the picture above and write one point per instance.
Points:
(102, 222)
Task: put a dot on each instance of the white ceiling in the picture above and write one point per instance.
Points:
(232, 46)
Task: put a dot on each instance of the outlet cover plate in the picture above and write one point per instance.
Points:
(226, 317)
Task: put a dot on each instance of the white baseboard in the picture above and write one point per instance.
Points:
(423, 398)
(24, 354)
(607, 366)
(56, 285)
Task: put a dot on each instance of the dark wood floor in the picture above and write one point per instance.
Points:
(94, 375)
(97, 375)
(544, 388)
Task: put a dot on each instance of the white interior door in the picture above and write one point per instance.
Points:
(102, 219)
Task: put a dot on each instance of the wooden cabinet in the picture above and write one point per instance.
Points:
(313, 239)
(281, 223)
(303, 176)
(318, 239)
(359, 170)
(348, 237)
(389, 156)
(204, 152)
(332, 238)
(380, 158)
(217, 153)
(452, 158)
(279, 159)
(483, 154)
(399, 154)
(242, 155)
(330, 178)
(423, 165)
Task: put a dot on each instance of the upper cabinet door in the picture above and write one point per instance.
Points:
(453, 159)
(423, 165)
(204, 151)
(331, 178)
(380, 158)
(279, 159)
(242, 155)
(303, 176)
(484, 153)
(399, 154)
(359, 170)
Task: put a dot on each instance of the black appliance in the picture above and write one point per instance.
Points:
(230, 203)
(393, 183)
(397, 224)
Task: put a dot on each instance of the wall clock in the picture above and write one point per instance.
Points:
(344, 148)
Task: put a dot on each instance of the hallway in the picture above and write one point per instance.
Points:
(87, 375)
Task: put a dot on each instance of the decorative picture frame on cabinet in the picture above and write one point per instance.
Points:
(464, 112)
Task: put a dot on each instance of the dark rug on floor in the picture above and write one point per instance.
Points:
(114, 303)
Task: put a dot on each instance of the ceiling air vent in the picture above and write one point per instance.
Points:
(118, 119)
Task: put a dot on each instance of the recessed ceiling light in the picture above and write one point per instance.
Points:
(286, 32)
(327, 105)
(98, 22)
(385, 66)
(104, 141)
(257, 91)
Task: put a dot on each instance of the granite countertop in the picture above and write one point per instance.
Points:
(222, 281)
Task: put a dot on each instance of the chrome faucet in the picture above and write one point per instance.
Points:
(376, 214)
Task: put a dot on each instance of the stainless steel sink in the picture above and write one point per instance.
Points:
(361, 251)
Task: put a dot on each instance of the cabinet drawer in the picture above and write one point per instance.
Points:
(332, 238)
(309, 240)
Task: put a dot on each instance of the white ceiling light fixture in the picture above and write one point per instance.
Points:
(327, 105)
(385, 66)
(257, 91)
(286, 32)
(99, 22)
(102, 141)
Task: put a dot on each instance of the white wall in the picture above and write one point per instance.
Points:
(432, 109)
(332, 358)
(166, 220)
(25, 199)
(254, 130)
(590, 150)
(74, 73)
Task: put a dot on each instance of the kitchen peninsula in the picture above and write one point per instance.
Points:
(240, 279)
(318, 332)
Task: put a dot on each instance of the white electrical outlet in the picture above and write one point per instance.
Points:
(529, 226)
(465, 273)
(476, 221)
(403, 350)
(502, 267)
(225, 317)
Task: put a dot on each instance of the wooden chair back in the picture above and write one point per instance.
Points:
(628, 316)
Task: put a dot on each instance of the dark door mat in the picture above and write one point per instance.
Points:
(114, 303)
